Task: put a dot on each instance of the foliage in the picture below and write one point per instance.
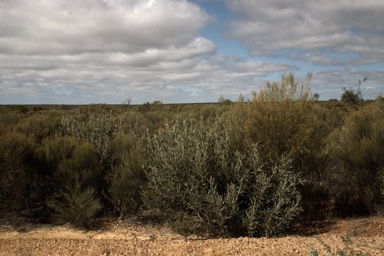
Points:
(42, 124)
(97, 130)
(127, 176)
(281, 121)
(235, 119)
(353, 97)
(75, 205)
(197, 181)
(15, 152)
(357, 151)
(211, 168)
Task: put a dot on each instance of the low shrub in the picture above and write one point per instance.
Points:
(197, 182)
(74, 205)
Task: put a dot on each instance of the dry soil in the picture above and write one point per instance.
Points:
(130, 237)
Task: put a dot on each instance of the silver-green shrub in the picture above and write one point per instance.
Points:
(200, 184)
(98, 130)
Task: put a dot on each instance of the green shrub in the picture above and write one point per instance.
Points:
(351, 97)
(356, 161)
(15, 178)
(74, 205)
(127, 175)
(83, 165)
(281, 121)
(97, 130)
(198, 183)
(40, 125)
(235, 119)
(65, 162)
(47, 157)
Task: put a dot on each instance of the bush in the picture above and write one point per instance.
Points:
(357, 158)
(280, 121)
(98, 131)
(40, 125)
(127, 175)
(65, 162)
(353, 97)
(15, 179)
(75, 205)
(198, 183)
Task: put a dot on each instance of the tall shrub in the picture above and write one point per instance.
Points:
(16, 181)
(127, 175)
(69, 177)
(281, 121)
(198, 183)
(357, 157)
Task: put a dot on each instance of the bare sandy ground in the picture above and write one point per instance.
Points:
(130, 237)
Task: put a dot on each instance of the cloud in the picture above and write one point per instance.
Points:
(58, 48)
(326, 27)
(72, 27)
(94, 51)
(329, 83)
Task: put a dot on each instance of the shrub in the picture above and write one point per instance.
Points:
(15, 178)
(98, 131)
(40, 125)
(75, 205)
(65, 162)
(198, 183)
(353, 97)
(281, 121)
(357, 157)
(127, 175)
(235, 119)
(82, 165)
(47, 157)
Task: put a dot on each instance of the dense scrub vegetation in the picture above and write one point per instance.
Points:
(252, 167)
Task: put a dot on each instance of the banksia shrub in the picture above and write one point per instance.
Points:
(201, 185)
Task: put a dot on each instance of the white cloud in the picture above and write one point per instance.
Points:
(267, 26)
(91, 51)
(329, 83)
(71, 27)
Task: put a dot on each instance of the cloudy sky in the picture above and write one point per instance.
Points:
(179, 51)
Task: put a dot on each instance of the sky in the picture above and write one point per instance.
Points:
(179, 51)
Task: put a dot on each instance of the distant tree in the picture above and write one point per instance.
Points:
(157, 102)
(224, 100)
(351, 96)
(316, 96)
(128, 101)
